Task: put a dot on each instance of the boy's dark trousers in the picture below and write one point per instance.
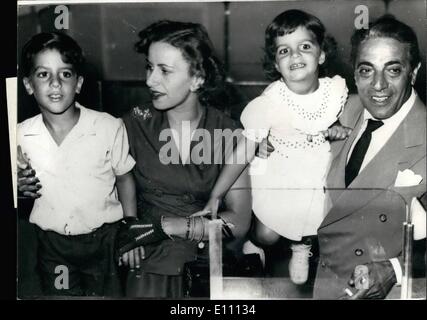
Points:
(79, 265)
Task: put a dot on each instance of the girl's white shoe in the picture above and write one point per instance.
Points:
(298, 266)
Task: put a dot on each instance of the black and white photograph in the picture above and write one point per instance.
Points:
(207, 150)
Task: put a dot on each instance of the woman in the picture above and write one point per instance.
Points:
(179, 156)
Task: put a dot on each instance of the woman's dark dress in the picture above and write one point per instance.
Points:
(171, 190)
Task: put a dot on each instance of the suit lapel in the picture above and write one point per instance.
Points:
(336, 176)
(405, 147)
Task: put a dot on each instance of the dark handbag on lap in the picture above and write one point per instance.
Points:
(196, 273)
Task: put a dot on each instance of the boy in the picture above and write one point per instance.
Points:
(81, 158)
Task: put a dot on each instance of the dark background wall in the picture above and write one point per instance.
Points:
(115, 75)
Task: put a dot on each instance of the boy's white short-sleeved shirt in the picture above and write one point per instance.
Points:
(78, 177)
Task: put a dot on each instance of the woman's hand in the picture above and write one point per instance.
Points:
(132, 258)
(265, 148)
(211, 207)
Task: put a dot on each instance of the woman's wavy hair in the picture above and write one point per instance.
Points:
(68, 48)
(286, 23)
(197, 49)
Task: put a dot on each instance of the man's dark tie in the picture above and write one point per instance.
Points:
(359, 151)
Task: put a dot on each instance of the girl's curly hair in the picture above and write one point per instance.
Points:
(286, 23)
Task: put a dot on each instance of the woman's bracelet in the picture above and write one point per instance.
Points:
(187, 233)
(192, 229)
(195, 230)
(163, 228)
(202, 233)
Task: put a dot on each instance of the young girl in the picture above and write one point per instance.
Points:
(294, 112)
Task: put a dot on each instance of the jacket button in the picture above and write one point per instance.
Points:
(188, 198)
(358, 252)
(323, 264)
(383, 217)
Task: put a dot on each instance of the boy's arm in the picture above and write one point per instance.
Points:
(127, 195)
(134, 233)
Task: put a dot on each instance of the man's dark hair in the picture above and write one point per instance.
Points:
(387, 26)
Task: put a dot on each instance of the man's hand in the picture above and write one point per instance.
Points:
(375, 283)
(336, 132)
(22, 159)
(265, 148)
(28, 183)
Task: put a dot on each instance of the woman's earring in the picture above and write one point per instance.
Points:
(197, 84)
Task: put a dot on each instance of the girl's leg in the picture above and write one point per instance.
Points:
(260, 237)
(263, 235)
(249, 247)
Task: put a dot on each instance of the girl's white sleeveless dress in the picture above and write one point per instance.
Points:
(288, 186)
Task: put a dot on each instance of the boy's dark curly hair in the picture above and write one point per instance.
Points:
(197, 49)
(286, 23)
(68, 48)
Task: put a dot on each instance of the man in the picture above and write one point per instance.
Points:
(360, 239)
